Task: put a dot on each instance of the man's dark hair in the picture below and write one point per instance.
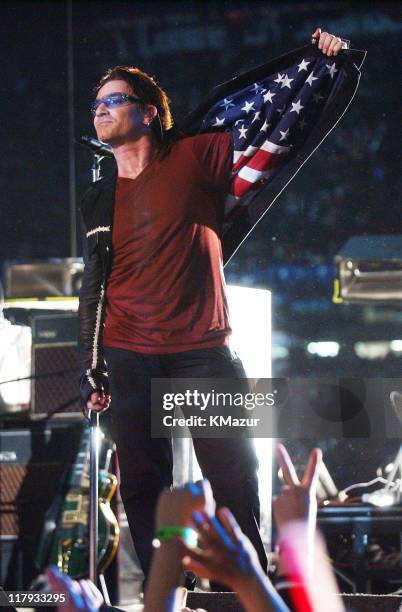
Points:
(146, 88)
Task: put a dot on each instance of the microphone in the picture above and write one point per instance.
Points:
(96, 146)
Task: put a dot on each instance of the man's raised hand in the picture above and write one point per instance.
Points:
(328, 43)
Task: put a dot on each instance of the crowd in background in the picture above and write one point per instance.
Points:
(193, 535)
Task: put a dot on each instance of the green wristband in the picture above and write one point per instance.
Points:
(170, 532)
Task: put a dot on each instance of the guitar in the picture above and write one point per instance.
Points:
(69, 548)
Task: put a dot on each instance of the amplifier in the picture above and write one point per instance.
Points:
(52, 277)
(55, 367)
(34, 462)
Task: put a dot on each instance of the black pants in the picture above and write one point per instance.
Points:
(146, 463)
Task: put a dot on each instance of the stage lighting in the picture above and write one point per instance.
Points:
(372, 350)
(369, 269)
(323, 349)
(396, 346)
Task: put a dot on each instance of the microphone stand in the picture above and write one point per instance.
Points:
(96, 166)
(99, 151)
(93, 495)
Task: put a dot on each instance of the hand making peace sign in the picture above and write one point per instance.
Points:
(297, 500)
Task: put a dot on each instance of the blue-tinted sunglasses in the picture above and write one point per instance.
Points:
(113, 100)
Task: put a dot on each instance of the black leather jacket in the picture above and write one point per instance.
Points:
(96, 209)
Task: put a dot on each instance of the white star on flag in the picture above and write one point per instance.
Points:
(311, 78)
(256, 88)
(265, 126)
(279, 78)
(248, 107)
(332, 69)
(242, 132)
(219, 122)
(256, 116)
(303, 65)
(268, 96)
(284, 135)
(286, 82)
(296, 107)
(227, 103)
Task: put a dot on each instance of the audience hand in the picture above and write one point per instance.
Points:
(177, 507)
(297, 500)
(82, 596)
(296, 505)
(229, 556)
(174, 509)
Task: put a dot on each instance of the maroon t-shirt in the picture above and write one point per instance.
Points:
(166, 290)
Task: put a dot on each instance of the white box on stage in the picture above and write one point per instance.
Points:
(250, 317)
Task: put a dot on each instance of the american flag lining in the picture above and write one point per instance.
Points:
(269, 123)
(279, 113)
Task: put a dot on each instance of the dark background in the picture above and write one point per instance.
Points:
(349, 187)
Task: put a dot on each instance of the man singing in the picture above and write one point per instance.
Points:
(153, 302)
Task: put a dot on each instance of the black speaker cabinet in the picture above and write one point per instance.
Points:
(34, 462)
(55, 366)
